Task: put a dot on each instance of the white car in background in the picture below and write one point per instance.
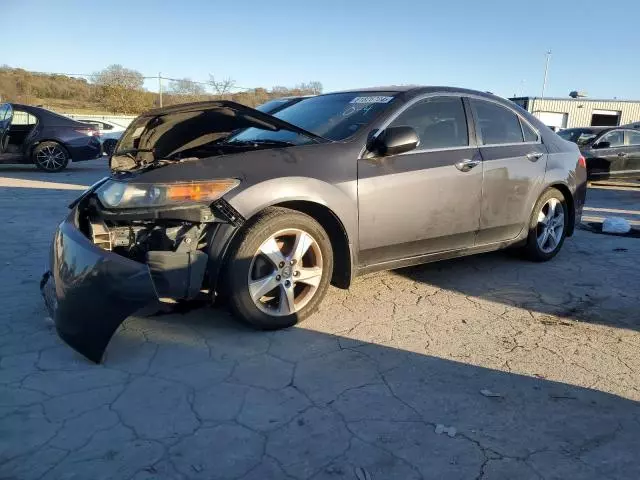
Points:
(108, 132)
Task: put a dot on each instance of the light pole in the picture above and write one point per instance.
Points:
(546, 71)
(160, 87)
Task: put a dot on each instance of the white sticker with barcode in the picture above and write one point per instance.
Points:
(372, 99)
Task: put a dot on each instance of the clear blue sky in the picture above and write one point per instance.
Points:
(487, 45)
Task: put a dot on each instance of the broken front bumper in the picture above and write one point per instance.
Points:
(90, 291)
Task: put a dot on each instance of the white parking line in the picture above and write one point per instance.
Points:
(19, 183)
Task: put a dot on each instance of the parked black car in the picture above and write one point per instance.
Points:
(331, 187)
(36, 135)
(610, 152)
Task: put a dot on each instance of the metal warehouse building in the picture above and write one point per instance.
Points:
(581, 112)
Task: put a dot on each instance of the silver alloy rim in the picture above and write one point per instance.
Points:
(550, 225)
(285, 272)
(51, 157)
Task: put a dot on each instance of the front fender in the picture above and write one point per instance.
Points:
(342, 201)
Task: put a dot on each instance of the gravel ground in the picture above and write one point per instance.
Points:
(484, 367)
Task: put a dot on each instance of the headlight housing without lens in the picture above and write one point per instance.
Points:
(149, 195)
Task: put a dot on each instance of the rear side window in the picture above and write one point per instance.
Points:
(633, 137)
(4, 112)
(497, 125)
(440, 122)
(530, 134)
(23, 118)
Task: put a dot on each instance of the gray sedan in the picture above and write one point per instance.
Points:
(218, 199)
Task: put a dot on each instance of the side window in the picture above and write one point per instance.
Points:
(615, 138)
(105, 126)
(23, 118)
(633, 137)
(440, 122)
(530, 135)
(496, 124)
(4, 112)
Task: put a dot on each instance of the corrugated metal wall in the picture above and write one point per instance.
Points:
(580, 110)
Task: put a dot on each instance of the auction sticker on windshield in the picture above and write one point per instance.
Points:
(371, 99)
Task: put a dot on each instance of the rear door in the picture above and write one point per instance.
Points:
(632, 160)
(514, 162)
(6, 114)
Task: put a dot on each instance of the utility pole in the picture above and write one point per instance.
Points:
(160, 86)
(546, 71)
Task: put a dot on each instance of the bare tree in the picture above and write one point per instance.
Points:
(186, 86)
(222, 87)
(120, 88)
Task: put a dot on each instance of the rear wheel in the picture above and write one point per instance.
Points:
(50, 157)
(279, 269)
(548, 226)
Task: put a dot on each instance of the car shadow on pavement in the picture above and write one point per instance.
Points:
(593, 279)
(310, 403)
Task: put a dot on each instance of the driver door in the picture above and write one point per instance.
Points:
(426, 200)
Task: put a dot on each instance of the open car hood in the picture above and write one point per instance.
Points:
(167, 131)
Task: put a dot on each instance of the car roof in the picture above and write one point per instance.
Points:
(414, 90)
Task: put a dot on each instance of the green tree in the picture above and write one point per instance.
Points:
(120, 89)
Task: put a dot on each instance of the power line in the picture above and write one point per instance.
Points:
(154, 77)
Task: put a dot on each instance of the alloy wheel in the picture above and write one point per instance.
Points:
(51, 157)
(550, 227)
(285, 272)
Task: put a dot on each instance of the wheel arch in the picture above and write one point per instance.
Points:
(568, 196)
(33, 146)
(342, 255)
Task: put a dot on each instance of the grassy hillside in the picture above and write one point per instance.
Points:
(77, 95)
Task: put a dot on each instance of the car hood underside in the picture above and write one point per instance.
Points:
(176, 132)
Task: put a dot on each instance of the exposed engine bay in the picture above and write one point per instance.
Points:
(173, 243)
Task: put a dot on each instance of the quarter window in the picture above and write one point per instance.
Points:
(497, 125)
(440, 122)
(633, 137)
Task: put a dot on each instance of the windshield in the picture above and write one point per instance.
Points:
(581, 136)
(335, 116)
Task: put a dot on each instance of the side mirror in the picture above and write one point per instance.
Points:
(602, 145)
(395, 140)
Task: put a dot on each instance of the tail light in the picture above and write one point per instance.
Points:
(582, 162)
(89, 132)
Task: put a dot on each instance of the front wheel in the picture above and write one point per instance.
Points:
(279, 269)
(548, 226)
(50, 157)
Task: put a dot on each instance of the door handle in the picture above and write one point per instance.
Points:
(622, 154)
(534, 156)
(466, 165)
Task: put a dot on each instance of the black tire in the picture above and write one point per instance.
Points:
(50, 157)
(108, 146)
(240, 260)
(533, 249)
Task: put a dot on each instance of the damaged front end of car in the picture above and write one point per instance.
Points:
(108, 262)
(159, 226)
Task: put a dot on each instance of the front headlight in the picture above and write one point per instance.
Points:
(148, 195)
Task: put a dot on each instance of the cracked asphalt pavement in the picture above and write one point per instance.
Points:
(486, 367)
